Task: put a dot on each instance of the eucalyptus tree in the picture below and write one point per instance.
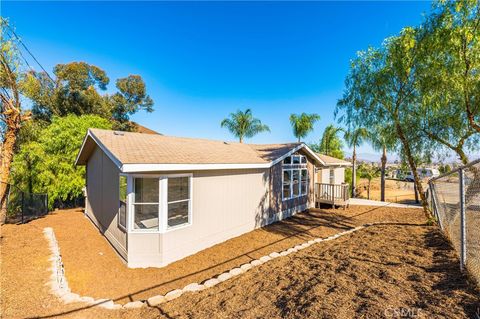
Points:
(302, 124)
(243, 124)
(381, 90)
(354, 138)
(382, 138)
(14, 80)
(78, 89)
(330, 143)
(131, 97)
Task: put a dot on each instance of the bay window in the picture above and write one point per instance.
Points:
(146, 203)
(122, 209)
(178, 201)
(160, 203)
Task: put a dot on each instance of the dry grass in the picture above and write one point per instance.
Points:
(395, 191)
(280, 288)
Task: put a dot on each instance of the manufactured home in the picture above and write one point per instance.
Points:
(158, 199)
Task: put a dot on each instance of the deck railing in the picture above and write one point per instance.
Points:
(331, 193)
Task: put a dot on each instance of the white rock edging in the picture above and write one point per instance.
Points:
(58, 282)
(59, 285)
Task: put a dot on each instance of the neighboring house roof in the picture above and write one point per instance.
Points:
(333, 161)
(135, 152)
(143, 129)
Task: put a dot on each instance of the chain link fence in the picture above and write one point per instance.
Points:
(23, 206)
(456, 204)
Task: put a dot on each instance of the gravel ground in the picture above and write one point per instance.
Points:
(404, 267)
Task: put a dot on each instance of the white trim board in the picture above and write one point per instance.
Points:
(134, 168)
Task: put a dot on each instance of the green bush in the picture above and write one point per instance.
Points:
(46, 165)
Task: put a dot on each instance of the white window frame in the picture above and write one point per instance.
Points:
(133, 203)
(165, 227)
(306, 182)
(301, 165)
(331, 176)
(119, 225)
(162, 204)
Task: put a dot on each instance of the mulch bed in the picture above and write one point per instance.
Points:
(321, 280)
(378, 272)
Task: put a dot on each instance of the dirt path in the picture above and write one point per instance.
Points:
(360, 273)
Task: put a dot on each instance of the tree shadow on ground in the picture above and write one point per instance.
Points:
(302, 224)
(453, 281)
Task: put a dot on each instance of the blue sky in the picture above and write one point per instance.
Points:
(203, 60)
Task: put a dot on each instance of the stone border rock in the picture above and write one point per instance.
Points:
(59, 285)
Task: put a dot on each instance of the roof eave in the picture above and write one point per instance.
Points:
(110, 155)
(136, 168)
(154, 167)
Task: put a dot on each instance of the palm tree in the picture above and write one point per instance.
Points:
(303, 124)
(331, 144)
(355, 137)
(369, 172)
(383, 138)
(243, 124)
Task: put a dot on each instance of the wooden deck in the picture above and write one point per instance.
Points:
(333, 194)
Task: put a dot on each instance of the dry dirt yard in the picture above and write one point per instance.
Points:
(378, 272)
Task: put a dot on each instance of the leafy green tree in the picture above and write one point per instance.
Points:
(448, 107)
(381, 90)
(454, 34)
(14, 81)
(355, 137)
(78, 90)
(383, 139)
(368, 172)
(243, 124)
(46, 165)
(75, 91)
(302, 124)
(444, 169)
(330, 143)
(131, 97)
(350, 178)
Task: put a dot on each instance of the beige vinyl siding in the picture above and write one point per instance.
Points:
(323, 175)
(225, 204)
(103, 199)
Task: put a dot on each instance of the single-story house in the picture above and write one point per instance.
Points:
(158, 199)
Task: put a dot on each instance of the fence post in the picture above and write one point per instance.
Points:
(463, 230)
(434, 204)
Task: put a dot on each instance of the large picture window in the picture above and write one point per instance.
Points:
(122, 209)
(146, 203)
(295, 177)
(178, 201)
